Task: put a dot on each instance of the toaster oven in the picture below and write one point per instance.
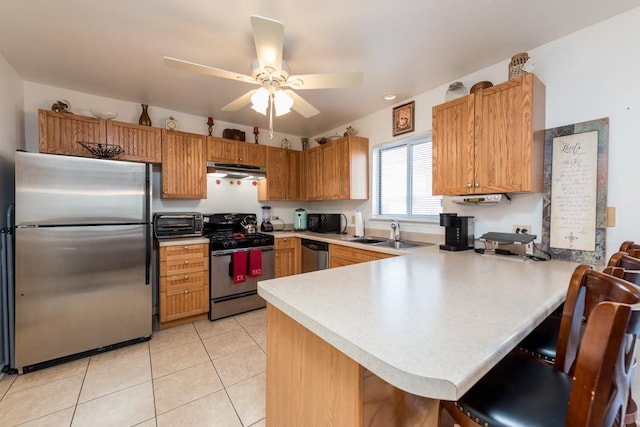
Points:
(167, 225)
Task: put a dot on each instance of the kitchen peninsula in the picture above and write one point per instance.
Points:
(426, 326)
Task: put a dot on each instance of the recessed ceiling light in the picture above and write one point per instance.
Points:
(390, 96)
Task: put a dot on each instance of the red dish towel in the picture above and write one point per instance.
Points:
(255, 263)
(239, 267)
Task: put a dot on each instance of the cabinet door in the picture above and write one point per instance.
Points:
(274, 187)
(140, 143)
(293, 175)
(222, 150)
(311, 172)
(453, 146)
(252, 154)
(184, 168)
(342, 169)
(59, 133)
(180, 297)
(327, 152)
(504, 137)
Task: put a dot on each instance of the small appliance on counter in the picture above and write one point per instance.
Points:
(458, 232)
(266, 219)
(300, 219)
(324, 223)
(359, 225)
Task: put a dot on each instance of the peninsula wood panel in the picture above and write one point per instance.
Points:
(309, 382)
(140, 143)
(59, 133)
(184, 166)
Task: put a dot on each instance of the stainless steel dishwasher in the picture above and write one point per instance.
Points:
(315, 255)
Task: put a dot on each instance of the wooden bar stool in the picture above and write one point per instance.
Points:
(628, 245)
(589, 388)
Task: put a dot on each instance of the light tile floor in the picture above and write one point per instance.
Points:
(200, 374)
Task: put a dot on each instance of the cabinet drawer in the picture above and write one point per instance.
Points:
(355, 255)
(183, 265)
(167, 252)
(174, 306)
(285, 243)
(181, 282)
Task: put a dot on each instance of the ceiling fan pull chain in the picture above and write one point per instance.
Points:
(271, 116)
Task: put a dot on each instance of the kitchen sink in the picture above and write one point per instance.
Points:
(401, 244)
(367, 240)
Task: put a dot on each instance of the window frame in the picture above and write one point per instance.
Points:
(376, 207)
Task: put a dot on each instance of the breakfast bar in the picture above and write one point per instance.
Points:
(350, 346)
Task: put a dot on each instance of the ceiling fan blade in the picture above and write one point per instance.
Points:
(325, 80)
(268, 35)
(192, 66)
(302, 106)
(239, 102)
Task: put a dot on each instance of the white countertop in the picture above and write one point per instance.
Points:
(183, 241)
(432, 322)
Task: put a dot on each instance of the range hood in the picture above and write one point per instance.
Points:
(231, 170)
(481, 199)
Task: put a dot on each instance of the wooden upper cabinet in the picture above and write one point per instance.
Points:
(59, 133)
(283, 175)
(237, 152)
(312, 173)
(491, 141)
(453, 146)
(184, 166)
(345, 169)
(140, 143)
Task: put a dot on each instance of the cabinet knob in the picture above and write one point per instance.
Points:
(186, 261)
(186, 291)
(477, 185)
(468, 185)
(186, 247)
(186, 276)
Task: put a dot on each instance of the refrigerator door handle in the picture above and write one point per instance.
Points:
(147, 270)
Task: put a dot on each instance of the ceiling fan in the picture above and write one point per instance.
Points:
(272, 73)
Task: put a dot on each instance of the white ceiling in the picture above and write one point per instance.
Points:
(114, 48)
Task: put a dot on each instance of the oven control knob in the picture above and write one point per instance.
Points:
(258, 242)
(230, 244)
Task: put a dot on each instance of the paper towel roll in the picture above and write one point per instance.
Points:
(359, 225)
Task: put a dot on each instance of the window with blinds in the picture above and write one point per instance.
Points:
(403, 179)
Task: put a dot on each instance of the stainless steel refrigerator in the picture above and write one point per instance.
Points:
(82, 256)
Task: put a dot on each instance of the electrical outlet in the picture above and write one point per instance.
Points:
(520, 228)
(276, 217)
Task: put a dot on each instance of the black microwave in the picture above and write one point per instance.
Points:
(168, 225)
(324, 223)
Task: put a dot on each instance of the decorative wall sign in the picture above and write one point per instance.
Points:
(403, 118)
(575, 191)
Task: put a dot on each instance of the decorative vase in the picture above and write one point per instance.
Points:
(305, 143)
(456, 90)
(144, 119)
(516, 64)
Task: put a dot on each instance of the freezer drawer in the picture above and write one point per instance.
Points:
(79, 289)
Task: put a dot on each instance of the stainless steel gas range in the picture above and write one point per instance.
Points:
(238, 261)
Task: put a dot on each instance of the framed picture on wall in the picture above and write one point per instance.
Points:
(403, 118)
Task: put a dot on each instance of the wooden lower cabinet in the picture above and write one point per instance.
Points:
(287, 256)
(184, 283)
(340, 255)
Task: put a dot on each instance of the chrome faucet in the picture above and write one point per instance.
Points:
(395, 231)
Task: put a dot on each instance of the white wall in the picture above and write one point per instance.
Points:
(588, 75)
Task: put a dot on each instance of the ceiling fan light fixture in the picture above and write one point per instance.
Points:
(282, 102)
(260, 101)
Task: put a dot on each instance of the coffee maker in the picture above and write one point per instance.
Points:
(458, 232)
(266, 219)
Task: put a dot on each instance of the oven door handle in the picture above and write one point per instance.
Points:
(231, 272)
